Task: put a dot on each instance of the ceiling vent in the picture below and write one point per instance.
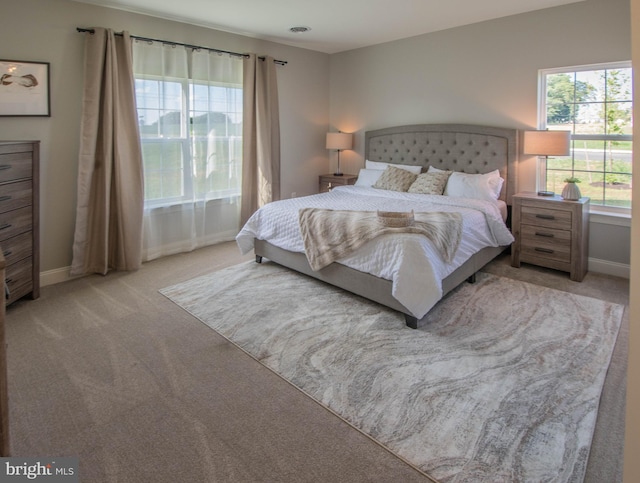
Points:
(299, 30)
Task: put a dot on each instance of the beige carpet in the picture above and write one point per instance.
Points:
(111, 371)
(485, 391)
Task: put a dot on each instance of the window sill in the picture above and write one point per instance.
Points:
(609, 218)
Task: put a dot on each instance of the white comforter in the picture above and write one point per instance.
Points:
(410, 261)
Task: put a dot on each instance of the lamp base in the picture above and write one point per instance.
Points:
(338, 174)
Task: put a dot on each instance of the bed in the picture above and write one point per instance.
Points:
(469, 149)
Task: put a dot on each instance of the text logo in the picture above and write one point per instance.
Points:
(45, 470)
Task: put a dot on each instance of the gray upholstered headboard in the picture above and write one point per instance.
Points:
(456, 147)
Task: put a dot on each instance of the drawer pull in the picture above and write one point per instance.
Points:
(4, 226)
(543, 250)
(546, 217)
(7, 253)
(4, 167)
(543, 234)
(5, 198)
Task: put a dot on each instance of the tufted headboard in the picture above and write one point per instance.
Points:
(455, 147)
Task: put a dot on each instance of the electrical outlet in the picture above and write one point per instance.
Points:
(294, 194)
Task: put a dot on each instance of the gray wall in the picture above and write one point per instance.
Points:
(45, 30)
(485, 73)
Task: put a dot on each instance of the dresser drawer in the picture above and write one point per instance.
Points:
(15, 222)
(15, 195)
(550, 218)
(15, 166)
(18, 278)
(17, 248)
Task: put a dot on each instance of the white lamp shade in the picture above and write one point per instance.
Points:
(547, 143)
(339, 140)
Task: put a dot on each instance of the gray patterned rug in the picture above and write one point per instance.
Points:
(502, 383)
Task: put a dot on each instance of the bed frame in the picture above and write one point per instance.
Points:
(456, 147)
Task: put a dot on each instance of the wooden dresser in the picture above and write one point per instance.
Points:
(4, 397)
(551, 232)
(19, 218)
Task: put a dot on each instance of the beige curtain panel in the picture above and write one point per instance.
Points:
(261, 136)
(108, 234)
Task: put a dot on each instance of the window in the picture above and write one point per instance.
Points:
(191, 136)
(189, 105)
(595, 104)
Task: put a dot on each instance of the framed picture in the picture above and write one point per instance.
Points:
(24, 88)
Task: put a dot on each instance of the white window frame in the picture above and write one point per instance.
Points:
(542, 125)
(185, 140)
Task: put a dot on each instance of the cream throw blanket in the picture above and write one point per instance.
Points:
(329, 235)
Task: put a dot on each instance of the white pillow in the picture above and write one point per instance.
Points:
(383, 166)
(368, 177)
(435, 170)
(478, 186)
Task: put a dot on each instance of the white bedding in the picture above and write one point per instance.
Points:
(411, 262)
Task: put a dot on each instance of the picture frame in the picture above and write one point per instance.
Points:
(24, 88)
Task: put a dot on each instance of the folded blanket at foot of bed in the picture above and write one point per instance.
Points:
(329, 235)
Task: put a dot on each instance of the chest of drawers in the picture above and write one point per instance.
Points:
(551, 232)
(19, 231)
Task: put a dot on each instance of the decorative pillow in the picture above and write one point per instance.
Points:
(430, 183)
(395, 179)
(477, 186)
(368, 177)
(383, 166)
(485, 186)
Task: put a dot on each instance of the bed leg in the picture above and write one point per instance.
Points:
(258, 259)
(472, 278)
(411, 321)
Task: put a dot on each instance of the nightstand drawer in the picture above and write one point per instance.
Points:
(545, 236)
(551, 248)
(545, 217)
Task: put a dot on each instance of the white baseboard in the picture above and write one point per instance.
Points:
(51, 277)
(609, 268)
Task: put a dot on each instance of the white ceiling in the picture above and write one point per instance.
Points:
(336, 25)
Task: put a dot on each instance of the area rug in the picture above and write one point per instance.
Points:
(500, 384)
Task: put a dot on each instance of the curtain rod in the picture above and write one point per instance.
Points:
(91, 31)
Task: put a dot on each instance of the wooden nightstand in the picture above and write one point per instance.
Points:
(328, 181)
(551, 232)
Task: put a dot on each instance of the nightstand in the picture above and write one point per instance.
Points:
(328, 181)
(551, 232)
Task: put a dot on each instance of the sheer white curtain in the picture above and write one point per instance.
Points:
(190, 116)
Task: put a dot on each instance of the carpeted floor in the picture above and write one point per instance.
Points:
(109, 370)
(482, 391)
